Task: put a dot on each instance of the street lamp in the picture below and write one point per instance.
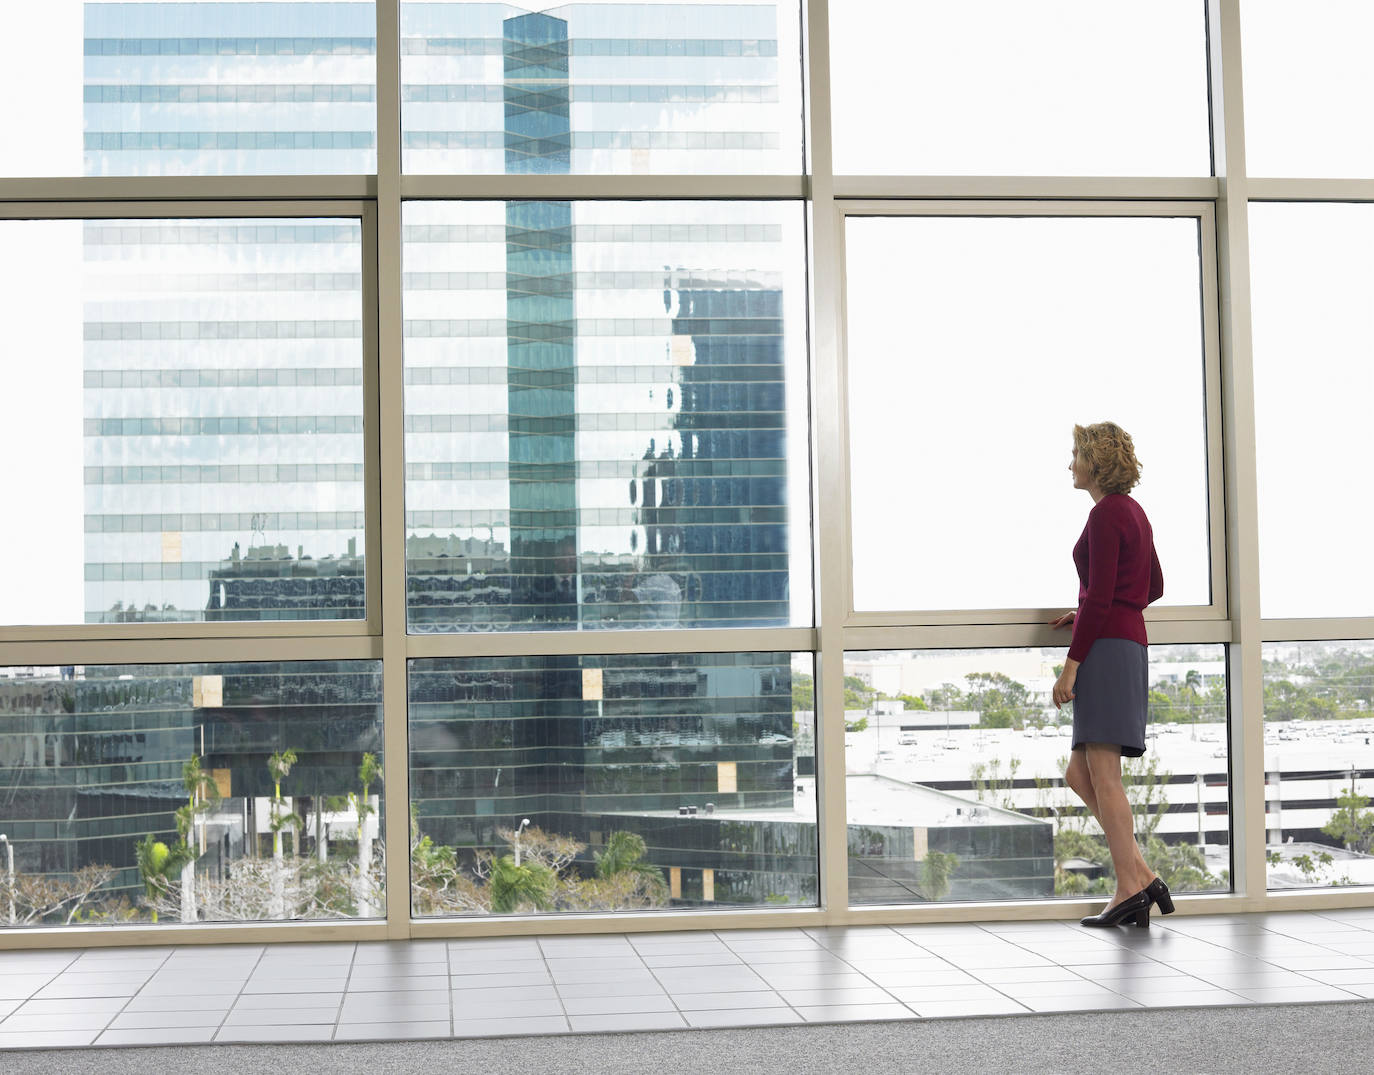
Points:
(523, 822)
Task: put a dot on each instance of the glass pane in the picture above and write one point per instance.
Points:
(192, 793)
(614, 86)
(607, 783)
(955, 762)
(1003, 87)
(1308, 85)
(196, 87)
(1310, 283)
(1319, 763)
(605, 415)
(193, 430)
(974, 346)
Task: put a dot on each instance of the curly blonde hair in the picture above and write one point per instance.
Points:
(1109, 452)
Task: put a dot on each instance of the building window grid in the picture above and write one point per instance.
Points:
(27, 646)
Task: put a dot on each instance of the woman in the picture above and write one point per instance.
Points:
(1106, 673)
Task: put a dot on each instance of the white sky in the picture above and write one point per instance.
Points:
(974, 345)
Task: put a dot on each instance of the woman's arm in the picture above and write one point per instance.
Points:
(1104, 552)
(1156, 577)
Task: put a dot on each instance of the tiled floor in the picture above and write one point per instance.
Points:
(552, 985)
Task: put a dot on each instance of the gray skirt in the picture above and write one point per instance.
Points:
(1111, 694)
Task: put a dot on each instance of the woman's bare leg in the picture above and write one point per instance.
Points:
(1113, 812)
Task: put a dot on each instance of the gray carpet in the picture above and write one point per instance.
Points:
(1269, 1038)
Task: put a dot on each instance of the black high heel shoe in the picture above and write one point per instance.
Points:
(1135, 907)
(1158, 891)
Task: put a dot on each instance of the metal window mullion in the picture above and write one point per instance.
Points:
(1309, 190)
(533, 644)
(830, 520)
(975, 187)
(391, 471)
(149, 208)
(1317, 629)
(1017, 636)
(1238, 420)
(602, 187)
(173, 189)
(155, 650)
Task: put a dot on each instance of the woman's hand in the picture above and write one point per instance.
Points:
(1063, 686)
(1065, 620)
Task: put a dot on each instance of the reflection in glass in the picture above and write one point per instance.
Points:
(1310, 284)
(955, 762)
(974, 344)
(192, 793)
(1002, 87)
(193, 430)
(609, 783)
(605, 415)
(1319, 763)
(610, 87)
(197, 87)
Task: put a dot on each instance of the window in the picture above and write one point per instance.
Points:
(974, 345)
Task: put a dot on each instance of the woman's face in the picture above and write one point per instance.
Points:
(1082, 476)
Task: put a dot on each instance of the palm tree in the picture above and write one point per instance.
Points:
(1192, 682)
(279, 767)
(369, 773)
(157, 864)
(624, 853)
(513, 887)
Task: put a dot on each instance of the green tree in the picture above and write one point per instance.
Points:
(857, 693)
(157, 865)
(1352, 824)
(513, 887)
(936, 869)
(991, 785)
(860, 725)
(624, 854)
(1002, 701)
(912, 701)
(803, 691)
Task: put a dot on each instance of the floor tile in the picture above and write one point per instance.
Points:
(22, 986)
(163, 1020)
(1074, 1002)
(950, 1008)
(365, 1011)
(459, 964)
(947, 976)
(602, 974)
(499, 1028)
(689, 1002)
(1330, 961)
(281, 1016)
(385, 984)
(742, 1017)
(1200, 998)
(723, 958)
(616, 1005)
(641, 1021)
(312, 1032)
(178, 1035)
(145, 1003)
(46, 1039)
(1157, 987)
(1009, 975)
(391, 1031)
(515, 993)
(1343, 977)
(1291, 994)
(501, 1009)
(60, 989)
(608, 989)
(266, 983)
(66, 1006)
(822, 997)
(27, 1024)
(914, 995)
(853, 1013)
(293, 1000)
